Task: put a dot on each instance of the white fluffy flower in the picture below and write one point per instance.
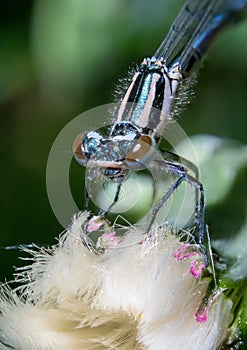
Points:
(133, 296)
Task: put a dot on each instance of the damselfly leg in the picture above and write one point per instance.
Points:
(173, 157)
(103, 212)
(181, 172)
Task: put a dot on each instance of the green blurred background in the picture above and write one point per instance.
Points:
(61, 57)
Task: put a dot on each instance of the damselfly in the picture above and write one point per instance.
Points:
(149, 104)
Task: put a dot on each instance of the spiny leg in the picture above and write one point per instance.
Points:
(86, 196)
(181, 173)
(170, 156)
(201, 224)
(102, 213)
(116, 197)
(87, 241)
(162, 201)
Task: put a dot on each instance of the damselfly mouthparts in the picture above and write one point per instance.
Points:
(149, 104)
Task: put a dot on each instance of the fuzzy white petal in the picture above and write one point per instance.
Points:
(136, 296)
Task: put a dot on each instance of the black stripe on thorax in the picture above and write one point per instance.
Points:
(151, 88)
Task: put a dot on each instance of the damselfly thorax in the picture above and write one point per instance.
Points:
(153, 87)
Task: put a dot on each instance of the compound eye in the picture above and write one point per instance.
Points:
(78, 149)
(140, 153)
(86, 145)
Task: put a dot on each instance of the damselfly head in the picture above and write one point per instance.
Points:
(125, 148)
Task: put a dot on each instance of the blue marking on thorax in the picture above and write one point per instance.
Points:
(143, 97)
